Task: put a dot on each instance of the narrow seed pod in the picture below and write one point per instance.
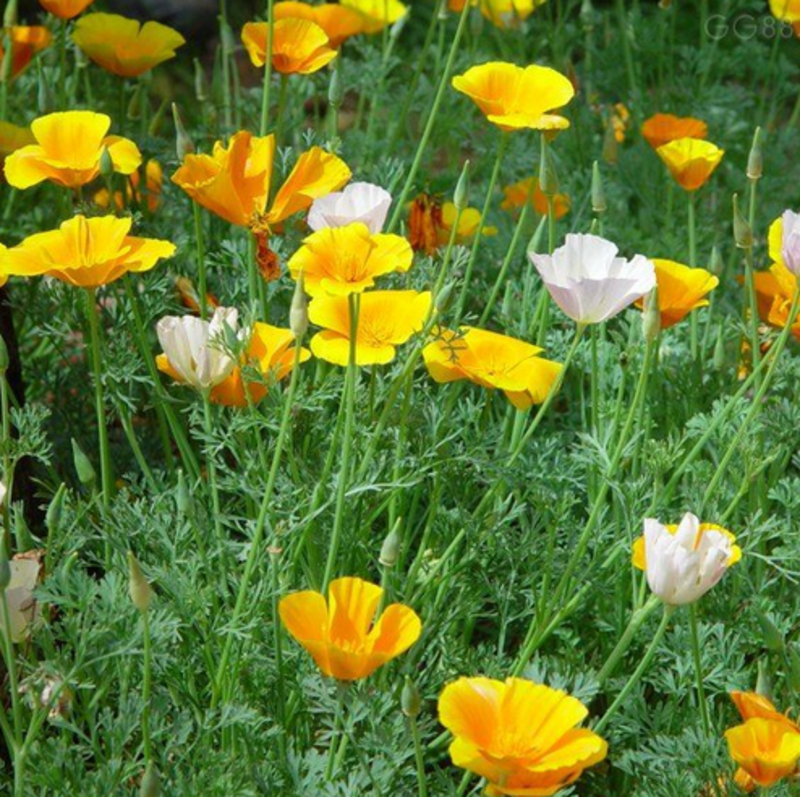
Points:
(200, 82)
(719, 351)
(764, 680)
(83, 465)
(755, 160)
(298, 313)
(742, 233)
(184, 500)
(138, 587)
(716, 264)
(548, 178)
(409, 699)
(183, 143)
(11, 14)
(651, 317)
(151, 782)
(55, 510)
(335, 90)
(5, 569)
(599, 204)
(461, 194)
(390, 550)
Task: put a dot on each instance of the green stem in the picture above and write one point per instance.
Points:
(692, 225)
(62, 66)
(638, 618)
(225, 34)
(201, 260)
(265, 91)
(147, 688)
(216, 506)
(11, 668)
(698, 670)
(640, 670)
(419, 757)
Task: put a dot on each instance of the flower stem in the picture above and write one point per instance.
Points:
(147, 685)
(201, 260)
(698, 670)
(216, 507)
(638, 618)
(419, 756)
(640, 670)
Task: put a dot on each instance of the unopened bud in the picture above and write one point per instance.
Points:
(397, 28)
(335, 90)
(719, 351)
(461, 194)
(599, 204)
(157, 119)
(764, 680)
(4, 358)
(200, 82)
(138, 587)
(83, 466)
(183, 143)
(55, 511)
(409, 699)
(755, 160)
(151, 782)
(106, 163)
(716, 264)
(444, 299)
(11, 14)
(587, 15)
(390, 550)
(22, 534)
(548, 178)
(742, 233)
(651, 317)
(298, 313)
(184, 499)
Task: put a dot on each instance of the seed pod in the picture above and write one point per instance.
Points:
(390, 550)
(335, 90)
(106, 163)
(409, 699)
(742, 233)
(755, 160)
(183, 143)
(200, 82)
(599, 204)
(651, 317)
(138, 587)
(55, 510)
(151, 782)
(461, 194)
(298, 313)
(184, 499)
(719, 350)
(83, 466)
(548, 177)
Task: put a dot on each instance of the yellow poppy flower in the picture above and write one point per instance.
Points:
(65, 9)
(338, 22)
(299, 46)
(691, 161)
(85, 252)
(377, 14)
(766, 749)
(785, 10)
(663, 128)
(467, 225)
(501, 13)
(26, 41)
(386, 319)
(234, 181)
(68, 149)
(493, 361)
(514, 97)
(516, 196)
(269, 351)
(154, 178)
(124, 46)
(343, 636)
(521, 736)
(681, 289)
(343, 260)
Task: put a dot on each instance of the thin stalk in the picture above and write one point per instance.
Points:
(216, 506)
(698, 670)
(201, 259)
(419, 757)
(692, 230)
(638, 618)
(147, 686)
(62, 66)
(265, 90)
(225, 35)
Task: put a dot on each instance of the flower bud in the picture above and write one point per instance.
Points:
(742, 233)
(716, 264)
(22, 534)
(444, 299)
(151, 782)
(548, 178)
(184, 500)
(106, 163)
(11, 14)
(138, 587)
(461, 194)
(396, 30)
(5, 569)
(335, 90)
(719, 351)
(764, 680)
(55, 511)
(390, 550)
(4, 358)
(599, 205)
(410, 699)
(183, 143)
(651, 317)
(298, 313)
(755, 160)
(587, 16)
(83, 466)
(200, 82)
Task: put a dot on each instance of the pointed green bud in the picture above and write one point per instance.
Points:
(742, 233)
(716, 264)
(410, 701)
(773, 638)
(548, 178)
(138, 587)
(106, 163)
(184, 500)
(151, 782)
(11, 14)
(5, 568)
(461, 195)
(183, 143)
(298, 313)
(55, 511)
(755, 160)
(444, 299)
(335, 89)
(83, 466)
(719, 350)
(764, 680)
(535, 243)
(200, 82)
(390, 550)
(587, 15)
(599, 204)
(651, 317)
(22, 534)
(5, 361)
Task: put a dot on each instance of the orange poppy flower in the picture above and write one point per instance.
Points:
(85, 252)
(68, 149)
(343, 636)
(270, 353)
(767, 750)
(513, 97)
(338, 22)
(234, 181)
(691, 161)
(342, 260)
(785, 10)
(516, 196)
(751, 705)
(154, 178)
(521, 736)
(26, 41)
(377, 14)
(681, 289)
(65, 9)
(299, 46)
(493, 361)
(664, 128)
(124, 46)
(386, 319)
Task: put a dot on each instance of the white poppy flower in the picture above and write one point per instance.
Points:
(362, 202)
(790, 241)
(589, 282)
(196, 348)
(683, 563)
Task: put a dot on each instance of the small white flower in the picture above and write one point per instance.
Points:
(589, 282)
(196, 348)
(362, 202)
(683, 564)
(790, 241)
